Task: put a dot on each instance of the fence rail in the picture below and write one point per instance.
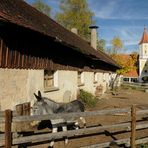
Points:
(8, 117)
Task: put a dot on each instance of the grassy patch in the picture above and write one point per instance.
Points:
(143, 146)
(139, 88)
(87, 98)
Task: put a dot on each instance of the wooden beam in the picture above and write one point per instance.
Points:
(142, 112)
(69, 115)
(108, 144)
(1, 49)
(71, 133)
(8, 122)
(133, 126)
(74, 133)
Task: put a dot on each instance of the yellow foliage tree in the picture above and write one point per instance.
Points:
(127, 63)
(117, 44)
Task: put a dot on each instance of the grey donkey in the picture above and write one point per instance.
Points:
(47, 106)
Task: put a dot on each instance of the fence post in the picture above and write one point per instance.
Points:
(8, 122)
(133, 126)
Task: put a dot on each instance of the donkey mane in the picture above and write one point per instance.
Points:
(48, 99)
(61, 103)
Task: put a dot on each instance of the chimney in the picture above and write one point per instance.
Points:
(74, 30)
(94, 36)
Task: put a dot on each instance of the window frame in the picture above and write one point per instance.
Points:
(80, 78)
(50, 75)
(95, 77)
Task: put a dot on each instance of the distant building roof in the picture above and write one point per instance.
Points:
(144, 38)
(132, 73)
(20, 13)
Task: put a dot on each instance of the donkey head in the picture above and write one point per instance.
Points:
(41, 107)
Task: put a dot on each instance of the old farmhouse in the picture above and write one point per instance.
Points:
(36, 53)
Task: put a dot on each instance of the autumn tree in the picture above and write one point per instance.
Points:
(76, 14)
(117, 45)
(127, 62)
(101, 44)
(134, 57)
(42, 6)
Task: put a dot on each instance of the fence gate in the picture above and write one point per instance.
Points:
(23, 109)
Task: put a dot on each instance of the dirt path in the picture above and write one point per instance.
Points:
(123, 99)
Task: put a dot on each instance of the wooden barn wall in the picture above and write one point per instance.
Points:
(25, 49)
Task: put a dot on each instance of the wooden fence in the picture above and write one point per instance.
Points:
(8, 118)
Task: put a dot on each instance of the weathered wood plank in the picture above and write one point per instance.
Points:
(142, 112)
(69, 115)
(133, 126)
(118, 142)
(8, 122)
(108, 144)
(1, 49)
(71, 133)
(2, 137)
(2, 114)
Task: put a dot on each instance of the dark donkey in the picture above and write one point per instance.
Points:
(47, 106)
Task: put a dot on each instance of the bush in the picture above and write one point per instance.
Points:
(145, 79)
(144, 146)
(87, 98)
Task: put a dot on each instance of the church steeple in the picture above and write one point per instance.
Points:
(143, 56)
(144, 38)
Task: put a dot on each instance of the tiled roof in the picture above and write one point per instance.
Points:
(20, 13)
(144, 38)
(132, 73)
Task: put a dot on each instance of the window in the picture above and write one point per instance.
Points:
(134, 80)
(95, 77)
(125, 79)
(80, 78)
(50, 80)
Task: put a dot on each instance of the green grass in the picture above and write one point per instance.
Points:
(140, 88)
(143, 146)
(87, 98)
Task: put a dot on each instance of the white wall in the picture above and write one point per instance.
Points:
(17, 86)
(67, 84)
(13, 87)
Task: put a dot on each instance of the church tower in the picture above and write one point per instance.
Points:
(143, 57)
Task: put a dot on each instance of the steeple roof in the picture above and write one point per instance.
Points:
(144, 38)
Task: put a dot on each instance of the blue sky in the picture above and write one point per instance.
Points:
(123, 18)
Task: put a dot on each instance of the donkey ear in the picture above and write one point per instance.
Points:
(39, 94)
(38, 97)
